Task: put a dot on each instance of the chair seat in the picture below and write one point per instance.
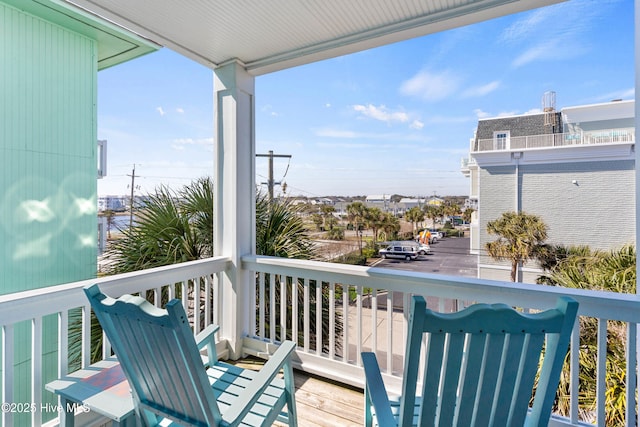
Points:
(394, 402)
(229, 381)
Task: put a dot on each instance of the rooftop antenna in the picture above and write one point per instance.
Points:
(549, 108)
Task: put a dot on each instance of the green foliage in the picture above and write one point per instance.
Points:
(615, 271)
(414, 216)
(356, 212)
(369, 252)
(335, 233)
(173, 227)
(520, 237)
(176, 227)
(353, 258)
(280, 230)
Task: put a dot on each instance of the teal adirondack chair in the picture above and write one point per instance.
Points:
(171, 383)
(480, 368)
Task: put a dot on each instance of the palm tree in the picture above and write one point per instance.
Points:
(356, 213)
(615, 271)
(414, 216)
(466, 214)
(390, 226)
(177, 226)
(520, 237)
(280, 231)
(167, 230)
(328, 220)
(433, 212)
(374, 219)
(450, 209)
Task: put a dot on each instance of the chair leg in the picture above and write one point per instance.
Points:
(368, 417)
(290, 395)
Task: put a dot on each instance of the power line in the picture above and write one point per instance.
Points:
(270, 182)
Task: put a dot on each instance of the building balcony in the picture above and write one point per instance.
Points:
(360, 308)
(466, 164)
(518, 143)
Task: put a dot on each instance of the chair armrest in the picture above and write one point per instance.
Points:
(247, 398)
(377, 393)
(206, 339)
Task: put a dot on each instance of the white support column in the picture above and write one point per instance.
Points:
(234, 195)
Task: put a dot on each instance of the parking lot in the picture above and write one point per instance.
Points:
(448, 256)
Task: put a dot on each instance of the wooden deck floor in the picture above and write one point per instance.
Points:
(322, 403)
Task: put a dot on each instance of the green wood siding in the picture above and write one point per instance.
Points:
(48, 224)
(48, 153)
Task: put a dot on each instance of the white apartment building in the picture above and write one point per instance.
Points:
(575, 168)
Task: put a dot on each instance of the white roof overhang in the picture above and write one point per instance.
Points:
(272, 35)
(114, 43)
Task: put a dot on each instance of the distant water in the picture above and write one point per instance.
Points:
(121, 222)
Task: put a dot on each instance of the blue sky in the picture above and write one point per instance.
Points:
(391, 120)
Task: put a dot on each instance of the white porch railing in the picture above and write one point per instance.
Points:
(372, 306)
(364, 309)
(608, 136)
(193, 281)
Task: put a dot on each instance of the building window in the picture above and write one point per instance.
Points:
(501, 140)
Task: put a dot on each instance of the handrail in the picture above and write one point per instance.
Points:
(374, 318)
(624, 307)
(20, 306)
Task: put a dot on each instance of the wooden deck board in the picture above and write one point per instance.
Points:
(322, 403)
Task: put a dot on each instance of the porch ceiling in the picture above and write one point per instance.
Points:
(272, 35)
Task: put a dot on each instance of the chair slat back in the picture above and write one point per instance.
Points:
(480, 364)
(159, 356)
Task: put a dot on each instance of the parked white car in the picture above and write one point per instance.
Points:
(436, 235)
(406, 251)
(424, 249)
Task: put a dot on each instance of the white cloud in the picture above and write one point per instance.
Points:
(268, 109)
(527, 26)
(548, 50)
(483, 90)
(416, 124)
(347, 134)
(179, 110)
(160, 110)
(381, 113)
(620, 94)
(480, 114)
(431, 86)
(538, 36)
(327, 105)
(180, 144)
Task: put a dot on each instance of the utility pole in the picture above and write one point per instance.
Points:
(133, 180)
(270, 183)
